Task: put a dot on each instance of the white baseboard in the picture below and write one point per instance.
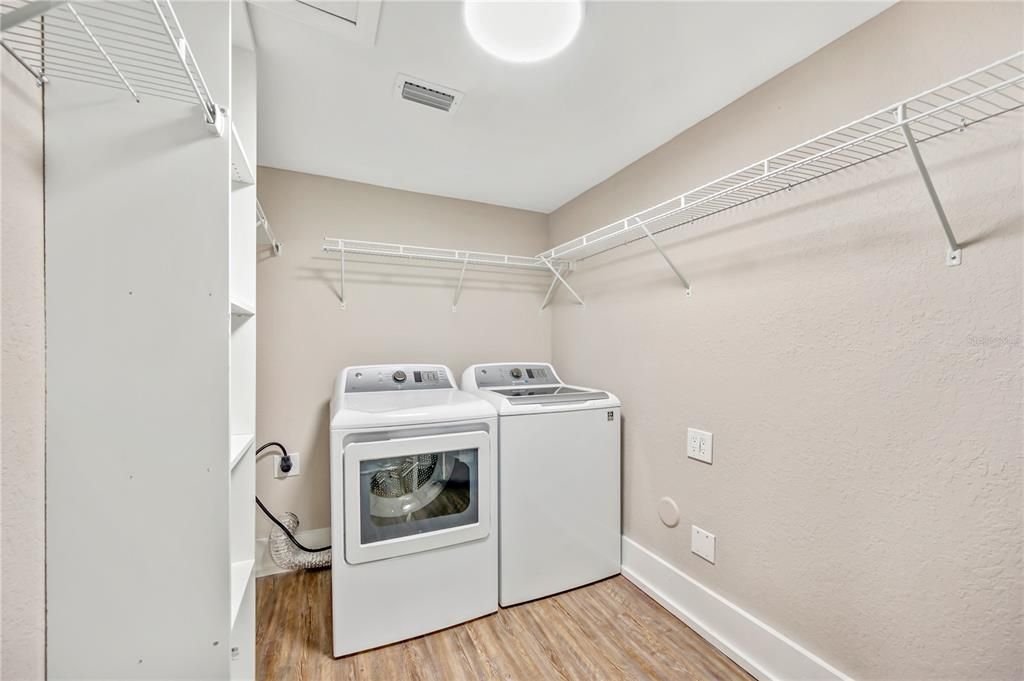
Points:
(752, 644)
(265, 564)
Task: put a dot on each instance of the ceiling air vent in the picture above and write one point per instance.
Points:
(422, 92)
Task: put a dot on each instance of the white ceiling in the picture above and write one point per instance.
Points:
(525, 135)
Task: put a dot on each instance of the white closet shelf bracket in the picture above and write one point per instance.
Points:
(263, 223)
(462, 258)
(551, 288)
(458, 288)
(679, 275)
(954, 254)
(559, 279)
(340, 250)
(133, 45)
(41, 80)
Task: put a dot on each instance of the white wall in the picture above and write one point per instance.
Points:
(397, 311)
(865, 399)
(23, 392)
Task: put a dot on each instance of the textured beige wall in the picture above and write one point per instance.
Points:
(398, 311)
(22, 396)
(865, 399)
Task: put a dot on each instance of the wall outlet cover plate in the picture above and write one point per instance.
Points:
(296, 469)
(699, 445)
(702, 543)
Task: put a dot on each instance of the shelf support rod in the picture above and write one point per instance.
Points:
(551, 290)
(40, 78)
(682, 279)
(103, 52)
(211, 112)
(953, 256)
(262, 221)
(558, 277)
(341, 287)
(458, 289)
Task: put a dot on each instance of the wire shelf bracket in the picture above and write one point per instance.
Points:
(341, 278)
(559, 279)
(954, 256)
(554, 283)
(263, 223)
(668, 260)
(41, 80)
(458, 288)
(133, 45)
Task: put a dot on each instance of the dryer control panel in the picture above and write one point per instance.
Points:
(498, 375)
(388, 377)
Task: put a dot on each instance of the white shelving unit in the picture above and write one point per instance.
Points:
(170, 460)
(954, 106)
(242, 401)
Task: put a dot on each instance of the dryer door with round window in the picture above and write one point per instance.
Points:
(416, 494)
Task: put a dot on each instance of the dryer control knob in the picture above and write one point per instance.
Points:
(517, 373)
(399, 376)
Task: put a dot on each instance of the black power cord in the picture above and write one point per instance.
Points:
(286, 465)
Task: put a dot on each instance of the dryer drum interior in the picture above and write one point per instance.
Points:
(418, 487)
(407, 476)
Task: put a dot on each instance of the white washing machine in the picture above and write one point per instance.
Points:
(559, 479)
(413, 505)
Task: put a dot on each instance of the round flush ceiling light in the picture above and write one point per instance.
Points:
(521, 31)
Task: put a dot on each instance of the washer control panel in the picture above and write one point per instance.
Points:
(498, 375)
(385, 377)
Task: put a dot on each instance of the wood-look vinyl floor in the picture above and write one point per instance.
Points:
(608, 630)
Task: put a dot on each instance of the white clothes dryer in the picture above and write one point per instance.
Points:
(559, 479)
(413, 505)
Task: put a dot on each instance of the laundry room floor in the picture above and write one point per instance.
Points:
(608, 630)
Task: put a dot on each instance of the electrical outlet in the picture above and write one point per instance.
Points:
(698, 445)
(295, 466)
(702, 543)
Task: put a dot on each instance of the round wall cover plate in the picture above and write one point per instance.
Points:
(668, 512)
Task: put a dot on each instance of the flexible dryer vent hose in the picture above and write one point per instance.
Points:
(287, 555)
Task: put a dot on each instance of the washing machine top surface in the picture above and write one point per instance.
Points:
(528, 387)
(390, 395)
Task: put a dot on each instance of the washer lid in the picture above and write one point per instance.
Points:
(396, 408)
(549, 394)
(531, 387)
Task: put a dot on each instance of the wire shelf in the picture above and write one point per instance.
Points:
(953, 106)
(134, 45)
(391, 250)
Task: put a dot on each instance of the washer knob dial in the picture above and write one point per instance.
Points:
(399, 376)
(517, 373)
